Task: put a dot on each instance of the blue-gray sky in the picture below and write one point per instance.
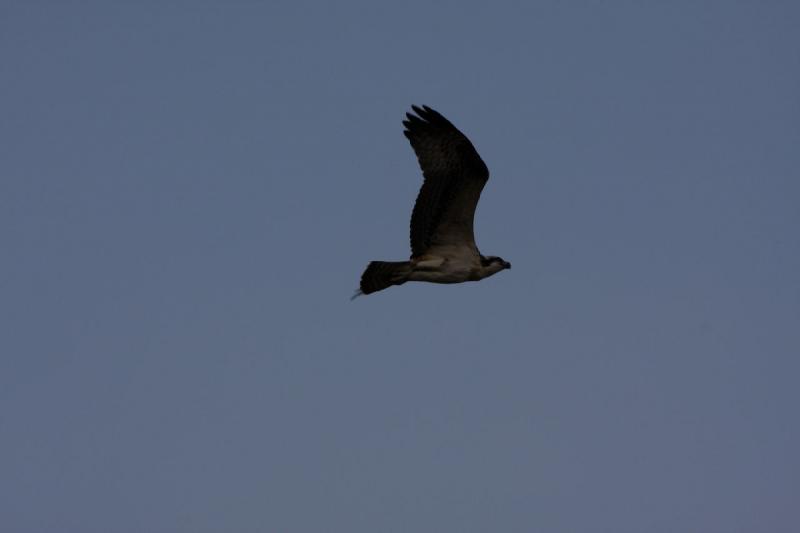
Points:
(188, 196)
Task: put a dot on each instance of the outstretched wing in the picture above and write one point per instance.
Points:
(454, 178)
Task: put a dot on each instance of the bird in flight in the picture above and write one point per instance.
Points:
(443, 246)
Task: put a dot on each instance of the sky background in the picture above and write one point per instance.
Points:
(190, 192)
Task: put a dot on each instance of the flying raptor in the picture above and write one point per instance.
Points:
(443, 246)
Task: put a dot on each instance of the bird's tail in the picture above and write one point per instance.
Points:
(380, 275)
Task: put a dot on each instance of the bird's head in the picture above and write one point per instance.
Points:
(493, 264)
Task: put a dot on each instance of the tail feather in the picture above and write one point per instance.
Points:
(380, 275)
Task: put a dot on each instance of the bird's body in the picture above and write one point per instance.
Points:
(443, 246)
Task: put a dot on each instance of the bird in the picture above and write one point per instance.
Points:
(443, 248)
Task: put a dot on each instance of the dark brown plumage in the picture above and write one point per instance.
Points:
(443, 248)
(454, 178)
(380, 275)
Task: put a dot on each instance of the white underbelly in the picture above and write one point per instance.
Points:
(440, 270)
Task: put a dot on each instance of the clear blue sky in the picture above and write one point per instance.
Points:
(188, 196)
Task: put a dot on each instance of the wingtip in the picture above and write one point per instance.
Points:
(426, 114)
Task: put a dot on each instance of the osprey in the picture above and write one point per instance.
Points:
(443, 246)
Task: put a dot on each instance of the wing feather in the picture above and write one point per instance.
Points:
(454, 177)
